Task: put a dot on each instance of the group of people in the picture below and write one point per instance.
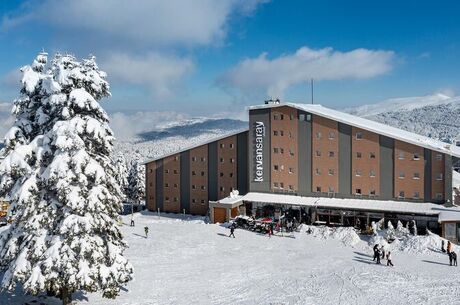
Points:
(379, 253)
(452, 254)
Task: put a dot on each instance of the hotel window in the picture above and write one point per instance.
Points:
(331, 189)
(151, 170)
(358, 192)
(438, 157)
(331, 135)
(203, 159)
(193, 201)
(231, 145)
(291, 170)
(275, 167)
(176, 158)
(308, 117)
(193, 187)
(318, 135)
(359, 173)
(275, 117)
(202, 174)
(359, 136)
(416, 195)
(401, 155)
(166, 184)
(371, 173)
(175, 172)
(331, 154)
(318, 189)
(282, 167)
(275, 150)
(175, 199)
(202, 200)
(291, 117)
(301, 117)
(222, 145)
(281, 117)
(166, 171)
(372, 193)
(222, 188)
(318, 171)
(167, 199)
(439, 196)
(359, 155)
(372, 155)
(203, 187)
(221, 174)
(175, 185)
(230, 175)
(221, 160)
(281, 185)
(275, 132)
(281, 133)
(401, 194)
(402, 175)
(151, 184)
(282, 150)
(193, 173)
(193, 159)
(439, 176)
(275, 184)
(318, 153)
(290, 135)
(291, 187)
(331, 172)
(232, 160)
(291, 153)
(416, 176)
(416, 156)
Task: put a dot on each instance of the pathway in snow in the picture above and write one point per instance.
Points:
(189, 262)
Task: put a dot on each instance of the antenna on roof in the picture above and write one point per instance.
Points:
(311, 91)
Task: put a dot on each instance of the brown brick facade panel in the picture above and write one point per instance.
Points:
(365, 161)
(325, 161)
(171, 184)
(408, 171)
(284, 158)
(437, 176)
(226, 166)
(199, 180)
(150, 185)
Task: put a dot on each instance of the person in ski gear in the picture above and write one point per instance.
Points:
(389, 262)
(449, 247)
(146, 230)
(454, 258)
(376, 246)
(232, 231)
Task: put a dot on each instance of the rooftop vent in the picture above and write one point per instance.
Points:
(272, 101)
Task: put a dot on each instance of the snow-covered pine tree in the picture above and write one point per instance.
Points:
(59, 177)
(136, 181)
(121, 174)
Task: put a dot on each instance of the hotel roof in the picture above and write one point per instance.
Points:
(379, 128)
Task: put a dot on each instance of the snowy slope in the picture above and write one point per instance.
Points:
(436, 116)
(189, 262)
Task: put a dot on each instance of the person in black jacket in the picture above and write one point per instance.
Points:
(232, 230)
(376, 247)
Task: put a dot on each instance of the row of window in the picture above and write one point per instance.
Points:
(280, 133)
(231, 145)
(229, 174)
(281, 167)
(222, 160)
(302, 117)
(280, 150)
(402, 175)
(195, 159)
(280, 185)
(202, 201)
(203, 187)
(175, 199)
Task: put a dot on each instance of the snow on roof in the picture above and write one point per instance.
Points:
(372, 126)
(231, 200)
(197, 145)
(354, 204)
(449, 214)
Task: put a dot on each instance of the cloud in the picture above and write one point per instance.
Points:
(12, 79)
(159, 73)
(274, 76)
(143, 22)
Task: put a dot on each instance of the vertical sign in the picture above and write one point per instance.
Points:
(259, 130)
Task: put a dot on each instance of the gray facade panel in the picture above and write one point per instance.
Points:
(344, 159)
(448, 179)
(212, 171)
(259, 115)
(185, 181)
(305, 155)
(427, 176)
(386, 167)
(159, 185)
(242, 163)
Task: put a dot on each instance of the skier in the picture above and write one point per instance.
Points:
(449, 247)
(146, 230)
(232, 230)
(376, 246)
(382, 249)
(389, 262)
(454, 258)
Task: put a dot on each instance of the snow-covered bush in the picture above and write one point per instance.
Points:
(59, 176)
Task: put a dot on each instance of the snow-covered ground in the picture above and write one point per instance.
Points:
(185, 261)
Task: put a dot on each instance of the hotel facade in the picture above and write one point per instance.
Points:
(294, 152)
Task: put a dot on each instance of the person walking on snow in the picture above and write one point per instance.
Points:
(454, 258)
(382, 249)
(146, 230)
(132, 221)
(378, 254)
(375, 251)
(232, 230)
(389, 262)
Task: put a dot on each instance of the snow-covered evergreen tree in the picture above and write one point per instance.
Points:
(136, 181)
(59, 176)
(121, 174)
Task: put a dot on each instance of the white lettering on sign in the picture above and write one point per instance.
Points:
(259, 157)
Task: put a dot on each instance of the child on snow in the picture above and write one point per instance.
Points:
(146, 230)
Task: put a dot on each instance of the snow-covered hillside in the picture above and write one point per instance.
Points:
(171, 136)
(436, 116)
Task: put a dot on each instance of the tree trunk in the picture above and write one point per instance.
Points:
(66, 296)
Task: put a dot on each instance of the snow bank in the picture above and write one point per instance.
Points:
(347, 235)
